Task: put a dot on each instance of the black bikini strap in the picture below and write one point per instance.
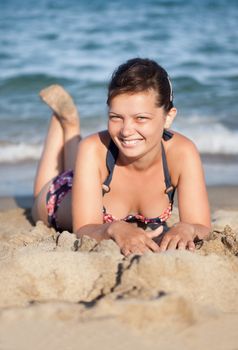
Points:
(111, 158)
(170, 190)
(167, 135)
(112, 155)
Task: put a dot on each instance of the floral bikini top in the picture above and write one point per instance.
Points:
(141, 220)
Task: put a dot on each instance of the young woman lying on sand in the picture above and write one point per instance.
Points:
(119, 183)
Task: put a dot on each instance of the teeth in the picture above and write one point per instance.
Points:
(130, 142)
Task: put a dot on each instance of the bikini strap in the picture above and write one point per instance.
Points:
(170, 190)
(167, 135)
(111, 158)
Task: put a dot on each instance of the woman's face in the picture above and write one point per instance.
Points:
(135, 123)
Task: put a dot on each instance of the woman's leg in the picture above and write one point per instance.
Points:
(51, 162)
(63, 106)
(60, 147)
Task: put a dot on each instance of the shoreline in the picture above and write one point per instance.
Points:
(220, 197)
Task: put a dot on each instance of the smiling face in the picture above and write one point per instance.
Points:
(136, 124)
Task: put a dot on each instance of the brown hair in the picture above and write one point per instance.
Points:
(137, 75)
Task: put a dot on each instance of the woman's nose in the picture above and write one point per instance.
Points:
(127, 129)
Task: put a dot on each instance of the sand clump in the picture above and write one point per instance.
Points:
(40, 264)
(51, 276)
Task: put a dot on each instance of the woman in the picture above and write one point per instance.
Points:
(124, 177)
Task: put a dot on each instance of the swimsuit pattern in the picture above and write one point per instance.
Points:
(60, 186)
(138, 217)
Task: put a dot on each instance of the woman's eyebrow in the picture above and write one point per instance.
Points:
(140, 113)
(144, 113)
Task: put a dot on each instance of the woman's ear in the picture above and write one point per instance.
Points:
(170, 117)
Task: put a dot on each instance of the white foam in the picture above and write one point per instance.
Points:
(10, 153)
(213, 138)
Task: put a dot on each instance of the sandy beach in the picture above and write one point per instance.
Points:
(59, 292)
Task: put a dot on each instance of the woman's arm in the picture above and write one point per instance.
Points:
(86, 191)
(129, 238)
(194, 211)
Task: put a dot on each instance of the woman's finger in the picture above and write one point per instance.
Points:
(181, 245)
(154, 233)
(125, 251)
(173, 243)
(164, 243)
(139, 249)
(191, 246)
(152, 245)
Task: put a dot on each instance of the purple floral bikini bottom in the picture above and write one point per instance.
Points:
(60, 186)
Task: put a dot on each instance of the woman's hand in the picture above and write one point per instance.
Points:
(180, 236)
(133, 240)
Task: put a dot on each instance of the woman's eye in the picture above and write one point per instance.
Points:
(114, 117)
(141, 117)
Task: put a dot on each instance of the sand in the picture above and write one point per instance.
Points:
(59, 292)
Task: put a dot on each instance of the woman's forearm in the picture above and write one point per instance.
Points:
(103, 231)
(96, 231)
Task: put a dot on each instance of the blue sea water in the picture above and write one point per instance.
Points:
(79, 43)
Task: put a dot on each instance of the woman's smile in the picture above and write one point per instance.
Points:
(136, 123)
(130, 143)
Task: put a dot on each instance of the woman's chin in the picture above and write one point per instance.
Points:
(132, 152)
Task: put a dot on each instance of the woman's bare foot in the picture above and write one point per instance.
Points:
(61, 103)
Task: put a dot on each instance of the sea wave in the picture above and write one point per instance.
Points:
(214, 139)
(27, 82)
(20, 152)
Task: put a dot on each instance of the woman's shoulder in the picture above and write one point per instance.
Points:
(94, 147)
(181, 154)
(180, 145)
(98, 141)
(92, 153)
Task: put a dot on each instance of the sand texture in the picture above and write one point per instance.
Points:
(59, 292)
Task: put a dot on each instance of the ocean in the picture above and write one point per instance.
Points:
(78, 44)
